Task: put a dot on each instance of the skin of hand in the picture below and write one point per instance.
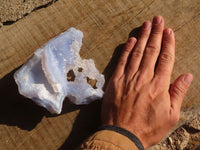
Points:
(139, 97)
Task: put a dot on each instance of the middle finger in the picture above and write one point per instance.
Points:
(153, 46)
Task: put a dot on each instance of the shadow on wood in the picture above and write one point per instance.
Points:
(16, 110)
(108, 71)
(86, 123)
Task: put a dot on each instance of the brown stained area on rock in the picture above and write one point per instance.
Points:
(71, 76)
(92, 82)
(80, 69)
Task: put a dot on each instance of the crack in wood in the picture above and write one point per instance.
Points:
(10, 22)
(193, 18)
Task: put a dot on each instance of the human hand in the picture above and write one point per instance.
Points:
(139, 97)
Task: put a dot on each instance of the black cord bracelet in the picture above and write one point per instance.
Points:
(124, 132)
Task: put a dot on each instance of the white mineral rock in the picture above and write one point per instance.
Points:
(43, 78)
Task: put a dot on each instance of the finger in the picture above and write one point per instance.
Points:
(179, 89)
(138, 50)
(167, 56)
(124, 56)
(153, 46)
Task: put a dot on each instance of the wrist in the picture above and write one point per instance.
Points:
(126, 133)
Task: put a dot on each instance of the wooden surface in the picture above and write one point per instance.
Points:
(106, 25)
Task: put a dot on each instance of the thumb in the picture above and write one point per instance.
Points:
(179, 89)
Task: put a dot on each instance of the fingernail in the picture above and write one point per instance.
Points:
(147, 24)
(157, 20)
(188, 79)
(130, 40)
(169, 31)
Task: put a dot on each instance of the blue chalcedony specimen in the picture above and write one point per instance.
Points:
(43, 78)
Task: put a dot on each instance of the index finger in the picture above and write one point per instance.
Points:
(128, 48)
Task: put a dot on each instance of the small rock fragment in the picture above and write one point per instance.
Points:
(170, 140)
